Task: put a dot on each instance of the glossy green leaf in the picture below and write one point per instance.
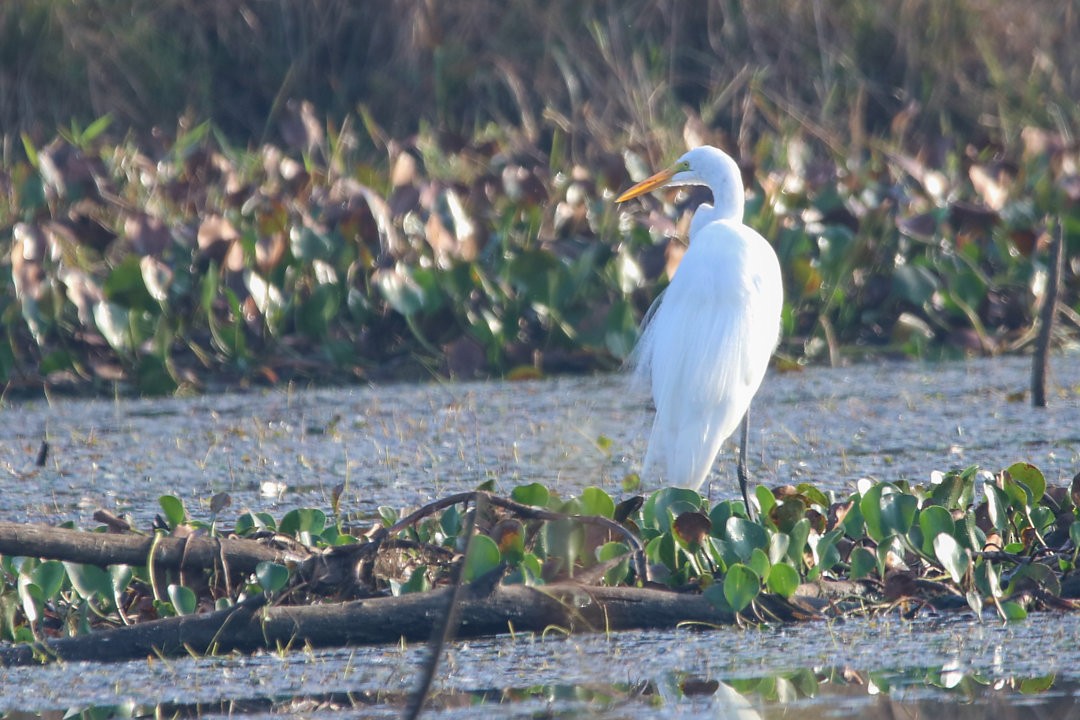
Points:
(450, 522)
(813, 494)
(863, 563)
(759, 563)
(31, 598)
(49, 576)
(954, 558)
(997, 507)
(417, 582)
(173, 508)
(778, 547)
(741, 586)
(745, 536)
(1031, 477)
(533, 494)
(658, 508)
(1013, 611)
(595, 501)
(934, 520)
(898, 512)
(483, 557)
(765, 499)
(91, 582)
(310, 521)
(271, 576)
(783, 580)
(611, 551)
(183, 599)
(956, 490)
(1036, 685)
(799, 535)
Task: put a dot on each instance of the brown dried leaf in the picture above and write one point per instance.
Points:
(693, 527)
(216, 235)
(147, 234)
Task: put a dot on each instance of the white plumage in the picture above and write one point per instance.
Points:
(706, 344)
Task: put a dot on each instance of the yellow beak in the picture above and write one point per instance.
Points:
(650, 183)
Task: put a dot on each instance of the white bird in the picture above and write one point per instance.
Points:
(708, 338)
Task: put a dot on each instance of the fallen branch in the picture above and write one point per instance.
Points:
(506, 608)
(104, 549)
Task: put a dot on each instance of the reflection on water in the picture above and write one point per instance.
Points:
(876, 668)
(819, 693)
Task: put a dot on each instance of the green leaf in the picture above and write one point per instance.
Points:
(619, 572)
(898, 512)
(400, 290)
(956, 490)
(870, 505)
(450, 522)
(825, 553)
(91, 582)
(744, 536)
(952, 556)
(766, 500)
(120, 577)
(933, 520)
(783, 580)
(388, 514)
(49, 576)
(31, 597)
(595, 501)
(417, 582)
(173, 507)
(887, 511)
(307, 521)
(799, 535)
(997, 507)
(114, 324)
(1012, 611)
(778, 547)
(271, 576)
(483, 557)
(759, 563)
(1036, 685)
(741, 586)
(863, 563)
(813, 494)
(533, 494)
(252, 522)
(183, 599)
(658, 512)
(1031, 477)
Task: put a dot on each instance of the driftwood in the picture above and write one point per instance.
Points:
(253, 625)
(174, 553)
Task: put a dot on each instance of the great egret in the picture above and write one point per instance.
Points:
(707, 340)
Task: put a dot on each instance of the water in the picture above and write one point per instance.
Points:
(406, 444)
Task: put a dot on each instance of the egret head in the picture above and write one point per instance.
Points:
(706, 166)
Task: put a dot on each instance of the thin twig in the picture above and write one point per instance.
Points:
(527, 512)
(442, 634)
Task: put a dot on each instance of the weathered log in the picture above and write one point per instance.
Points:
(516, 608)
(103, 549)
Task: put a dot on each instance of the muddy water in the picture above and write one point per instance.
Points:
(402, 445)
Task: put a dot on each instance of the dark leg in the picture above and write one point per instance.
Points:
(744, 477)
